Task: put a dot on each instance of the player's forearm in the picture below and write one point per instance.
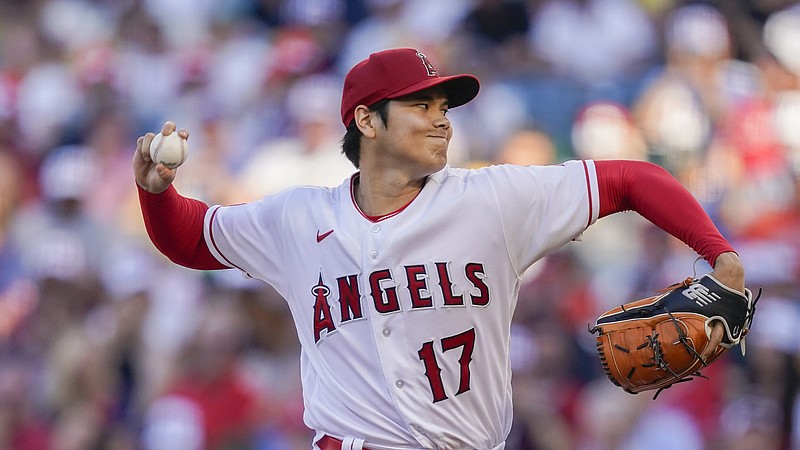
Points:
(657, 196)
(175, 226)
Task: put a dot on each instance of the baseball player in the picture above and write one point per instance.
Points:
(403, 280)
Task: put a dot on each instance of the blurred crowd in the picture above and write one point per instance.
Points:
(104, 344)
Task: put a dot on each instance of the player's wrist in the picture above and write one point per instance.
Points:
(728, 270)
(146, 190)
(142, 187)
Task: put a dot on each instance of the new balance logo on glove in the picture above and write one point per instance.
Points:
(701, 295)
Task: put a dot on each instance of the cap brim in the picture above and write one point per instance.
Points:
(460, 89)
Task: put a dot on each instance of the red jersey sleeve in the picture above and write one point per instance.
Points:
(657, 196)
(175, 226)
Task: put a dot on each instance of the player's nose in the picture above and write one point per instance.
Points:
(441, 121)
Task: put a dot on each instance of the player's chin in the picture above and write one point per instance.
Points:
(431, 165)
(439, 151)
(439, 160)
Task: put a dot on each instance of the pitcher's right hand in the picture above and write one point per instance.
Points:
(150, 176)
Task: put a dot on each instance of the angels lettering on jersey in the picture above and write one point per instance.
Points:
(424, 286)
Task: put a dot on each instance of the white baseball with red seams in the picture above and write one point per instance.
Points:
(171, 150)
(404, 321)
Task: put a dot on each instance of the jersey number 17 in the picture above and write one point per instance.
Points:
(465, 341)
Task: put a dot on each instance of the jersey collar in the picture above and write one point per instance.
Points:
(437, 178)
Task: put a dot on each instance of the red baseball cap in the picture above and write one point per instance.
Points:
(397, 72)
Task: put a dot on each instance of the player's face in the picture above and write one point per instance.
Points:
(418, 132)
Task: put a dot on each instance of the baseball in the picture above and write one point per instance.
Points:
(170, 150)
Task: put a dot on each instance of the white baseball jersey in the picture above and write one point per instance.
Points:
(405, 321)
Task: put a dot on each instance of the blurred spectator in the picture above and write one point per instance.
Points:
(746, 19)
(697, 87)
(543, 388)
(782, 37)
(757, 136)
(548, 361)
(45, 85)
(312, 156)
(752, 421)
(126, 279)
(207, 405)
(611, 419)
(593, 41)
(57, 237)
(24, 423)
(419, 24)
(494, 35)
(106, 138)
(487, 122)
(147, 72)
(382, 28)
(528, 147)
(605, 130)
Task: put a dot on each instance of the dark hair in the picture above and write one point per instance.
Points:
(351, 142)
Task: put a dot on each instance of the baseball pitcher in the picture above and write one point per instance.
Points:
(403, 280)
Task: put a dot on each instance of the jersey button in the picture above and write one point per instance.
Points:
(373, 254)
(399, 383)
(387, 332)
(376, 228)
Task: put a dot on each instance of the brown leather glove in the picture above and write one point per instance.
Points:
(655, 342)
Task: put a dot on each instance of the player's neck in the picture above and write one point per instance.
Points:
(381, 195)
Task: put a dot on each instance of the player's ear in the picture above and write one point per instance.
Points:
(365, 120)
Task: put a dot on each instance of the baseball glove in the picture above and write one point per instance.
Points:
(655, 342)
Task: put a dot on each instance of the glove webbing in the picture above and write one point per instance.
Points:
(659, 360)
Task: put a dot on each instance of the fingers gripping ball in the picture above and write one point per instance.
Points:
(170, 150)
(655, 342)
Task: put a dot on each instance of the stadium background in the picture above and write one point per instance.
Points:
(106, 345)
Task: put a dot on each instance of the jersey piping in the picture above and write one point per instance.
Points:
(214, 247)
(593, 194)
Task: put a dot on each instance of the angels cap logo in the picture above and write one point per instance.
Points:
(428, 66)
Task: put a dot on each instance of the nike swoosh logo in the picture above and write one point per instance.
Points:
(322, 236)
